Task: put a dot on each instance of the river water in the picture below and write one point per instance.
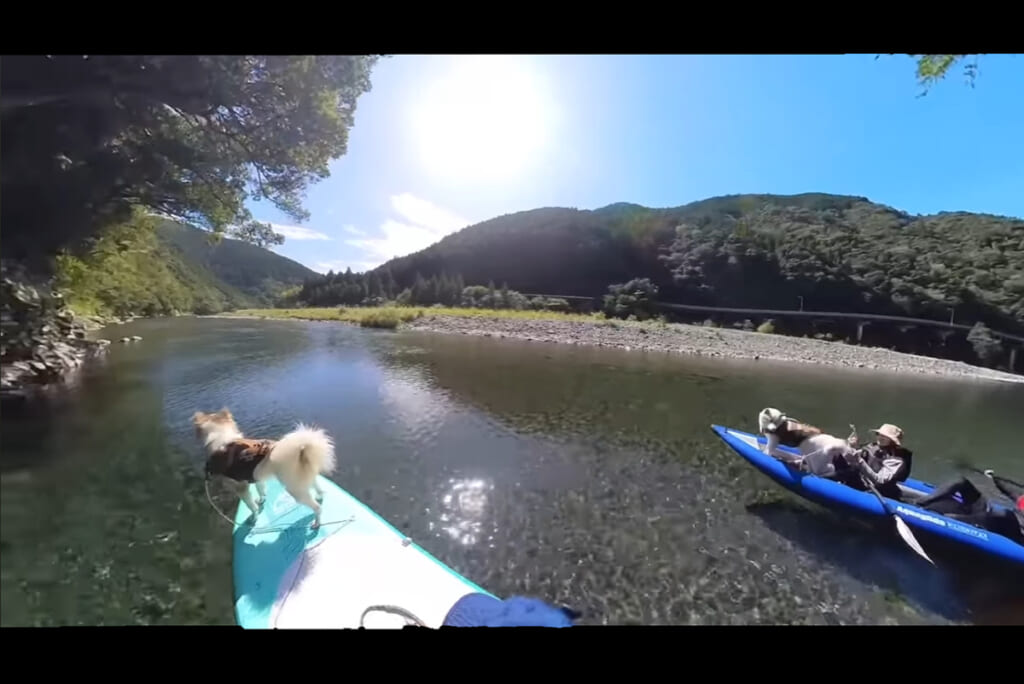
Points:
(584, 476)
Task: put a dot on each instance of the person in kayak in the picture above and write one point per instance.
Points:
(885, 462)
(976, 509)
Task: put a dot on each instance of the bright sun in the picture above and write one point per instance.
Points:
(487, 120)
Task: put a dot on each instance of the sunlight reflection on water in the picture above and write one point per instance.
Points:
(464, 510)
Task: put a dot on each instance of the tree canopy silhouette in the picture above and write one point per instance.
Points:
(87, 137)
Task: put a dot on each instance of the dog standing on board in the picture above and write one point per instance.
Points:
(296, 459)
(817, 449)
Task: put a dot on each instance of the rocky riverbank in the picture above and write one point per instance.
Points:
(703, 341)
(41, 340)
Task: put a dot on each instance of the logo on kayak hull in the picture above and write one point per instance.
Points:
(921, 516)
(963, 529)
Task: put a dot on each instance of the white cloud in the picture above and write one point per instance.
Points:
(423, 223)
(298, 232)
(348, 228)
(423, 213)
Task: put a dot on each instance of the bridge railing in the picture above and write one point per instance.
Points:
(798, 313)
(835, 314)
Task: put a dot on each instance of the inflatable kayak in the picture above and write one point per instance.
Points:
(838, 496)
(355, 570)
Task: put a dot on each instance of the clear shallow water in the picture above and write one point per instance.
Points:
(585, 476)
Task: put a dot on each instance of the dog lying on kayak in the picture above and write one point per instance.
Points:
(817, 448)
(296, 459)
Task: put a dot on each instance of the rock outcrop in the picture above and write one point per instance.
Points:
(41, 340)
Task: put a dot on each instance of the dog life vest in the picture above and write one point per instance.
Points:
(788, 437)
(238, 460)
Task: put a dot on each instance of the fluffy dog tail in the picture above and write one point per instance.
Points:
(302, 454)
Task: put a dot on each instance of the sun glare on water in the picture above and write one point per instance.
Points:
(486, 120)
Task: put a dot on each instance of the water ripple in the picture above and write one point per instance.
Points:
(580, 476)
(463, 510)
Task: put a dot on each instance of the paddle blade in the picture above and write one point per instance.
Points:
(961, 463)
(910, 539)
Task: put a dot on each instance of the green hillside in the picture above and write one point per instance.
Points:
(837, 252)
(151, 266)
(257, 272)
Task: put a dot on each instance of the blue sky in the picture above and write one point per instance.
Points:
(442, 142)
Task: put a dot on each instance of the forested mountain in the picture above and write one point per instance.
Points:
(152, 266)
(256, 271)
(90, 141)
(838, 252)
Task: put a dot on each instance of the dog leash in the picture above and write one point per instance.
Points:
(261, 530)
(394, 610)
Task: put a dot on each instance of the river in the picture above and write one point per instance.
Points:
(580, 475)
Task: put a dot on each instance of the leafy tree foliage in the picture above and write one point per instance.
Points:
(930, 69)
(988, 347)
(129, 270)
(856, 256)
(635, 298)
(151, 266)
(933, 68)
(541, 303)
(87, 137)
(378, 288)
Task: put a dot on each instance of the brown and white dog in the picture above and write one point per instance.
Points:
(296, 459)
(817, 449)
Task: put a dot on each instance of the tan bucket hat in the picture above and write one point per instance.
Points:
(892, 432)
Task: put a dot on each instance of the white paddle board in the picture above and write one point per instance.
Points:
(287, 575)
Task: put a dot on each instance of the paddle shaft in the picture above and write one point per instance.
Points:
(881, 499)
(999, 477)
(992, 476)
(905, 533)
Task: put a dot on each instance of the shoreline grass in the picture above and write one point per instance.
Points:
(391, 316)
(651, 335)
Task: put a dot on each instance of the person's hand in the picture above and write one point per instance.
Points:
(852, 456)
(853, 439)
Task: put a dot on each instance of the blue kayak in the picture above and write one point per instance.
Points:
(836, 495)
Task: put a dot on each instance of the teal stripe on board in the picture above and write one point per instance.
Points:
(264, 551)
